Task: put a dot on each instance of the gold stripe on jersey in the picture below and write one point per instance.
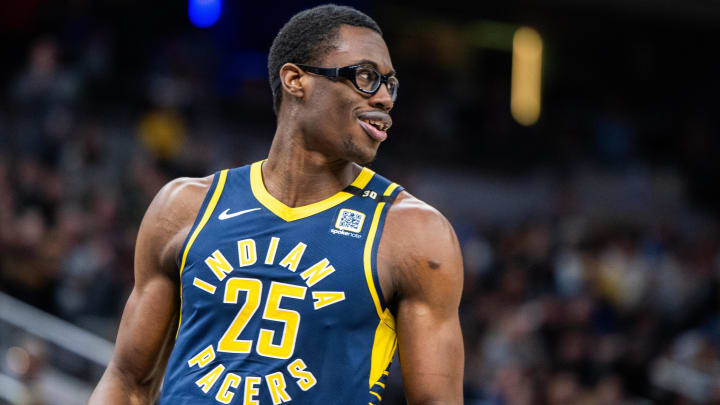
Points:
(385, 341)
(294, 213)
(367, 256)
(384, 346)
(205, 218)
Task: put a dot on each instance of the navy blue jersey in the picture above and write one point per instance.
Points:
(281, 303)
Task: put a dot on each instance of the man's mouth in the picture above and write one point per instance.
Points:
(379, 125)
(375, 124)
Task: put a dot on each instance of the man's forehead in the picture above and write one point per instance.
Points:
(355, 44)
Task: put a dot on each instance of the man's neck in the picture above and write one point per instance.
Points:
(297, 176)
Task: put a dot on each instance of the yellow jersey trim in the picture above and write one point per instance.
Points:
(205, 218)
(367, 254)
(288, 214)
(383, 349)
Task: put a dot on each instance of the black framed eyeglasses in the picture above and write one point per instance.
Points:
(365, 78)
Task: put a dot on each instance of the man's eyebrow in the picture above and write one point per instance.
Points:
(374, 65)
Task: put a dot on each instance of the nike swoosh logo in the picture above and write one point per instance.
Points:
(225, 214)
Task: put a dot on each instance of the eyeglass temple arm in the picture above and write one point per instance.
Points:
(328, 72)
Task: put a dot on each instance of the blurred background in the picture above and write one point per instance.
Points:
(572, 144)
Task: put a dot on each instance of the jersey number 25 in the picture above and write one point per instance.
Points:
(253, 287)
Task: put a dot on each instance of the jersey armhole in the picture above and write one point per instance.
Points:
(373, 242)
(206, 209)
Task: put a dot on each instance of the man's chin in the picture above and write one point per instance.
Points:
(361, 155)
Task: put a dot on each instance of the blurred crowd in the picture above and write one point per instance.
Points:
(73, 188)
(570, 312)
(556, 310)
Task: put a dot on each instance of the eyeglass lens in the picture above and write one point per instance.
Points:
(369, 80)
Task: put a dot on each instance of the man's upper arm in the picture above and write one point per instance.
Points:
(422, 256)
(147, 328)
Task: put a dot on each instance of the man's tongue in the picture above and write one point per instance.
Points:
(375, 133)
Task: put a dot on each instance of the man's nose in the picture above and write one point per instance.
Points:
(382, 98)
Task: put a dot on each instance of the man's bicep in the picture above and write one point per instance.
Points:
(431, 354)
(430, 349)
(143, 344)
(147, 329)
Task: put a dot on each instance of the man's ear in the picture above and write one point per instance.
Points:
(293, 80)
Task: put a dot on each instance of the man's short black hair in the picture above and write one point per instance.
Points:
(308, 37)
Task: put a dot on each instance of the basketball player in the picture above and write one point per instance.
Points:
(295, 278)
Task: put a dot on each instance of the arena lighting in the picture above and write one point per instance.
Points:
(204, 13)
(526, 76)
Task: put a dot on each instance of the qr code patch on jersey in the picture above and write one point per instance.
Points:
(350, 220)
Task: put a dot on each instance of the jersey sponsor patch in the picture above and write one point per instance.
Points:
(350, 220)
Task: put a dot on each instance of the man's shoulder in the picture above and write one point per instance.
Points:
(415, 228)
(180, 197)
(174, 209)
(413, 214)
(170, 216)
